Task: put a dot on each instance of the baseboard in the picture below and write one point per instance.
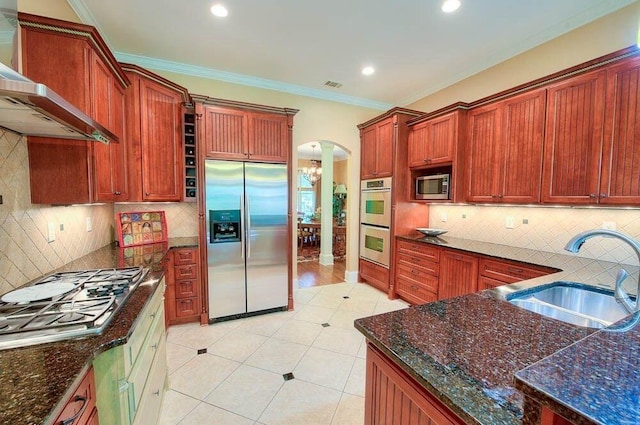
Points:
(351, 276)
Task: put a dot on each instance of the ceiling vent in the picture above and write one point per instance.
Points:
(333, 84)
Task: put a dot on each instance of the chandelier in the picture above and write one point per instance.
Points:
(313, 172)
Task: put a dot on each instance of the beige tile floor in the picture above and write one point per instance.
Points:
(239, 380)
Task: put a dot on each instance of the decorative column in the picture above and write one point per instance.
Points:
(326, 221)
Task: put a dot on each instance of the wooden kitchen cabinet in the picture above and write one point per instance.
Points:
(505, 149)
(573, 139)
(240, 134)
(619, 181)
(434, 141)
(182, 302)
(69, 171)
(81, 408)
(155, 110)
(416, 272)
(376, 147)
(497, 272)
(391, 394)
(374, 274)
(458, 274)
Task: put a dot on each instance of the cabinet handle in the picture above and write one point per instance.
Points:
(414, 287)
(153, 315)
(147, 194)
(457, 257)
(156, 392)
(500, 196)
(603, 195)
(415, 272)
(592, 195)
(155, 346)
(72, 419)
(117, 193)
(515, 270)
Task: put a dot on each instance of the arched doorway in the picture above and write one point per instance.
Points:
(322, 202)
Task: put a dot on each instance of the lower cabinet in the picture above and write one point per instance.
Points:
(81, 407)
(182, 303)
(375, 275)
(393, 397)
(130, 378)
(426, 273)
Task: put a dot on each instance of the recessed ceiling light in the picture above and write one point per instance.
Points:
(368, 70)
(219, 10)
(450, 5)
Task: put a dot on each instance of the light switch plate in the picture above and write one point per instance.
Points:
(509, 222)
(51, 231)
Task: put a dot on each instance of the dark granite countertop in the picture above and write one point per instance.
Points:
(480, 355)
(35, 380)
(465, 351)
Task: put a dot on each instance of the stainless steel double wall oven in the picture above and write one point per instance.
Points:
(375, 220)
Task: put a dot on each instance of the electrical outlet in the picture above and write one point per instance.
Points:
(443, 217)
(525, 221)
(509, 222)
(61, 227)
(609, 225)
(89, 224)
(51, 231)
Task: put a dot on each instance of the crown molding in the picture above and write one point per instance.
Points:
(245, 80)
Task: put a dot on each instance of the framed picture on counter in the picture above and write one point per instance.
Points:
(141, 228)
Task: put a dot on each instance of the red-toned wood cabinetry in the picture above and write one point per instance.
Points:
(393, 397)
(434, 141)
(155, 110)
(81, 408)
(505, 150)
(573, 139)
(417, 270)
(240, 134)
(376, 150)
(497, 272)
(619, 178)
(183, 302)
(458, 274)
(69, 171)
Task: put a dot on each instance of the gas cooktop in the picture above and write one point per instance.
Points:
(65, 305)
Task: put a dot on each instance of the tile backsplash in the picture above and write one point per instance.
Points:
(541, 228)
(25, 252)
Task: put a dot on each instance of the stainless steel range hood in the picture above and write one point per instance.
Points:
(33, 109)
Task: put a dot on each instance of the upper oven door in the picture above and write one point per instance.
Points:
(375, 202)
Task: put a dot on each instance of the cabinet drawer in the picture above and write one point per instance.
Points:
(140, 372)
(145, 322)
(418, 263)
(185, 256)
(375, 275)
(187, 307)
(421, 251)
(510, 272)
(186, 288)
(185, 272)
(81, 403)
(151, 401)
(417, 292)
(418, 275)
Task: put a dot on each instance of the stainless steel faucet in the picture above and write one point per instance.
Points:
(621, 296)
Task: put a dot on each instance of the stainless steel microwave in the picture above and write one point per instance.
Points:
(433, 187)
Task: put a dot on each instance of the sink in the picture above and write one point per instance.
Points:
(571, 302)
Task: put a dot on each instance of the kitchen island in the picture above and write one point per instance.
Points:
(477, 359)
(36, 381)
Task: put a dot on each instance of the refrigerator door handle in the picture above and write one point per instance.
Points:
(242, 230)
(248, 219)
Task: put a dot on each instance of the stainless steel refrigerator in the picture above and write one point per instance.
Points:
(246, 206)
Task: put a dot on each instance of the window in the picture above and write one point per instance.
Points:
(306, 197)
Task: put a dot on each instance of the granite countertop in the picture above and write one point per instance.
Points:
(35, 380)
(466, 350)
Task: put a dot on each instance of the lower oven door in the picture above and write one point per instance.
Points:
(375, 244)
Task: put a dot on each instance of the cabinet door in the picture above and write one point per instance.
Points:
(385, 149)
(417, 145)
(225, 133)
(160, 134)
(620, 183)
(484, 154)
(573, 140)
(522, 137)
(268, 138)
(441, 139)
(368, 152)
(458, 274)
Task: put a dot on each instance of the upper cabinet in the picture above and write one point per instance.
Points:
(244, 132)
(155, 111)
(376, 150)
(573, 139)
(73, 60)
(505, 149)
(434, 141)
(619, 181)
